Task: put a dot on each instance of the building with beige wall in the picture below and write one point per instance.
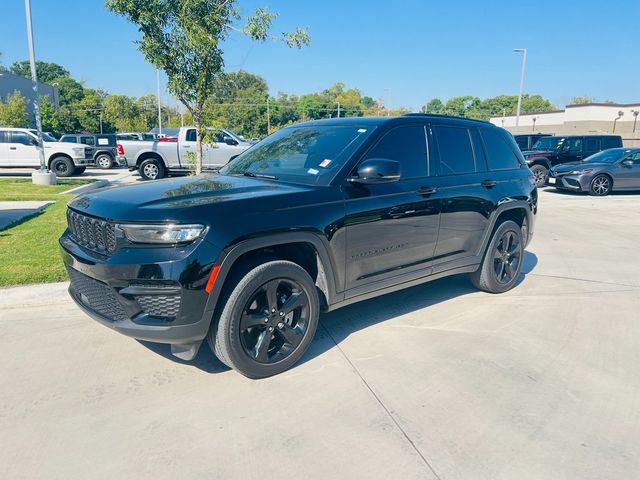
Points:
(591, 118)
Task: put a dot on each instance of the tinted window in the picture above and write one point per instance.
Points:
(88, 140)
(499, 152)
(21, 137)
(591, 144)
(573, 145)
(454, 147)
(4, 137)
(191, 135)
(523, 142)
(611, 142)
(407, 145)
(69, 139)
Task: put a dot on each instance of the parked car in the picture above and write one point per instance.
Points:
(616, 169)
(18, 149)
(554, 150)
(316, 216)
(157, 159)
(103, 147)
(527, 141)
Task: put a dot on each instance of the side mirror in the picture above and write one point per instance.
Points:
(229, 140)
(33, 141)
(627, 163)
(377, 170)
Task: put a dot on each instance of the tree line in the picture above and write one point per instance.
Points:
(238, 100)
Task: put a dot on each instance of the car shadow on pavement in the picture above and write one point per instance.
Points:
(338, 325)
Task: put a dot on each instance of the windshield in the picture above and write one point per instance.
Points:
(305, 154)
(45, 136)
(606, 156)
(548, 143)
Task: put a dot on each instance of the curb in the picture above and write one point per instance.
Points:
(86, 188)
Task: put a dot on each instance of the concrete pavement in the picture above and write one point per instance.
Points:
(12, 212)
(438, 381)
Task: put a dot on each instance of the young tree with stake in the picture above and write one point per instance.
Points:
(183, 38)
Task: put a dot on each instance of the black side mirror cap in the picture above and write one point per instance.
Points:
(229, 140)
(377, 170)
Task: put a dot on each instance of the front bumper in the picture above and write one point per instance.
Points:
(574, 182)
(153, 294)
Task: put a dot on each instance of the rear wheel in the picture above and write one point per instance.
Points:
(151, 169)
(62, 167)
(104, 161)
(600, 186)
(268, 320)
(540, 174)
(502, 262)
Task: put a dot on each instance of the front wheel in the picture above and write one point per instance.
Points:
(540, 174)
(151, 169)
(502, 261)
(268, 320)
(62, 166)
(600, 186)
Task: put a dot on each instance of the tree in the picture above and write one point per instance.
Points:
(13, 112)
(581, 100)
(434, 105)
(184, 40)
(69, 90)
(48, 115)
(46, 71)
(123, 113)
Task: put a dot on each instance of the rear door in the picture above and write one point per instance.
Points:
(591, 146)
(392, 228)
(4, 149)
(628, 177)
(22, 151)
(467, 190)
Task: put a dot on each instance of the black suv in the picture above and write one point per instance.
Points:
(316, 216)
(104, 147)
(550, 151)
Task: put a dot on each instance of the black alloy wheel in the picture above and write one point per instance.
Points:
(507, 257)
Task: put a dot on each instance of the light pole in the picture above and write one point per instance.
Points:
(159, 104)
(615, 120)
(43, 176)
(635, 118)
(534, 124)
(524, 64)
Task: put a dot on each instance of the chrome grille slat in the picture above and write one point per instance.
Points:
(93, 233)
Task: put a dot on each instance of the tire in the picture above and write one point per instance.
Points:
(540, 173)
(600, 186)
(104, 161)
(151, 169)
(267, 320)
(79, 170)
(502, 262)
(62, 166)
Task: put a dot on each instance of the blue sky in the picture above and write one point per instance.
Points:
(406, 51)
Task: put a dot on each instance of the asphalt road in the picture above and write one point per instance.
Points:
(439, 381)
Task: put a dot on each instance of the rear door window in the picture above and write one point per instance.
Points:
(191, 135)
(454, 149)
(407, 145)
(611, 142)
(500, 154)
(88, 140)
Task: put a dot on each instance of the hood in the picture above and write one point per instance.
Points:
(193, 198)
(568, 167)
(536, 153)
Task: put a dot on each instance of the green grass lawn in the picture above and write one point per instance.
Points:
(29, 251)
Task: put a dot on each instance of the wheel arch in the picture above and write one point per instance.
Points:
(542, 161)
(517, 211)
(104, 152)
(58, 155)
(303, 248)
(147, 155)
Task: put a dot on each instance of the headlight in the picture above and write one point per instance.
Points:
(162, 233)
(580, 172)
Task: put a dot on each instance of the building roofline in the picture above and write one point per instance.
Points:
(598, 104)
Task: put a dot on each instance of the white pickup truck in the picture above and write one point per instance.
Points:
(158, 158)
(18, 149)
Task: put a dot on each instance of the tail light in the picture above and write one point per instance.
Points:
(120, 149)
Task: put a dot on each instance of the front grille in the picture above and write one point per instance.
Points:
(165, 306)
(92, 233)
(96, 296)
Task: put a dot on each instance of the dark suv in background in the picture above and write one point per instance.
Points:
(526, 141)
(554, 150)
(314, 217)
(103, 147)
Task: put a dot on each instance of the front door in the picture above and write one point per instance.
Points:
(467, 189)
(22, 151)
(571, 150)
(392, 228)
(628, 176)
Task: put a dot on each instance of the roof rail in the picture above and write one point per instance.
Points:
(445, 116)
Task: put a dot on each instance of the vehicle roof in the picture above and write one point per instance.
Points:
(587, 135)
(378, 121)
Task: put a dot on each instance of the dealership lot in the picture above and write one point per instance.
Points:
(438, 381)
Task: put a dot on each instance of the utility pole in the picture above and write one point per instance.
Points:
(522, 68)
(159, 104)
(43, 176)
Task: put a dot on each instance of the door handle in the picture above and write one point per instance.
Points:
(427, 190)
(489, 183)
(12, 148)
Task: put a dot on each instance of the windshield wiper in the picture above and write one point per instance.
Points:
(259, 175)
